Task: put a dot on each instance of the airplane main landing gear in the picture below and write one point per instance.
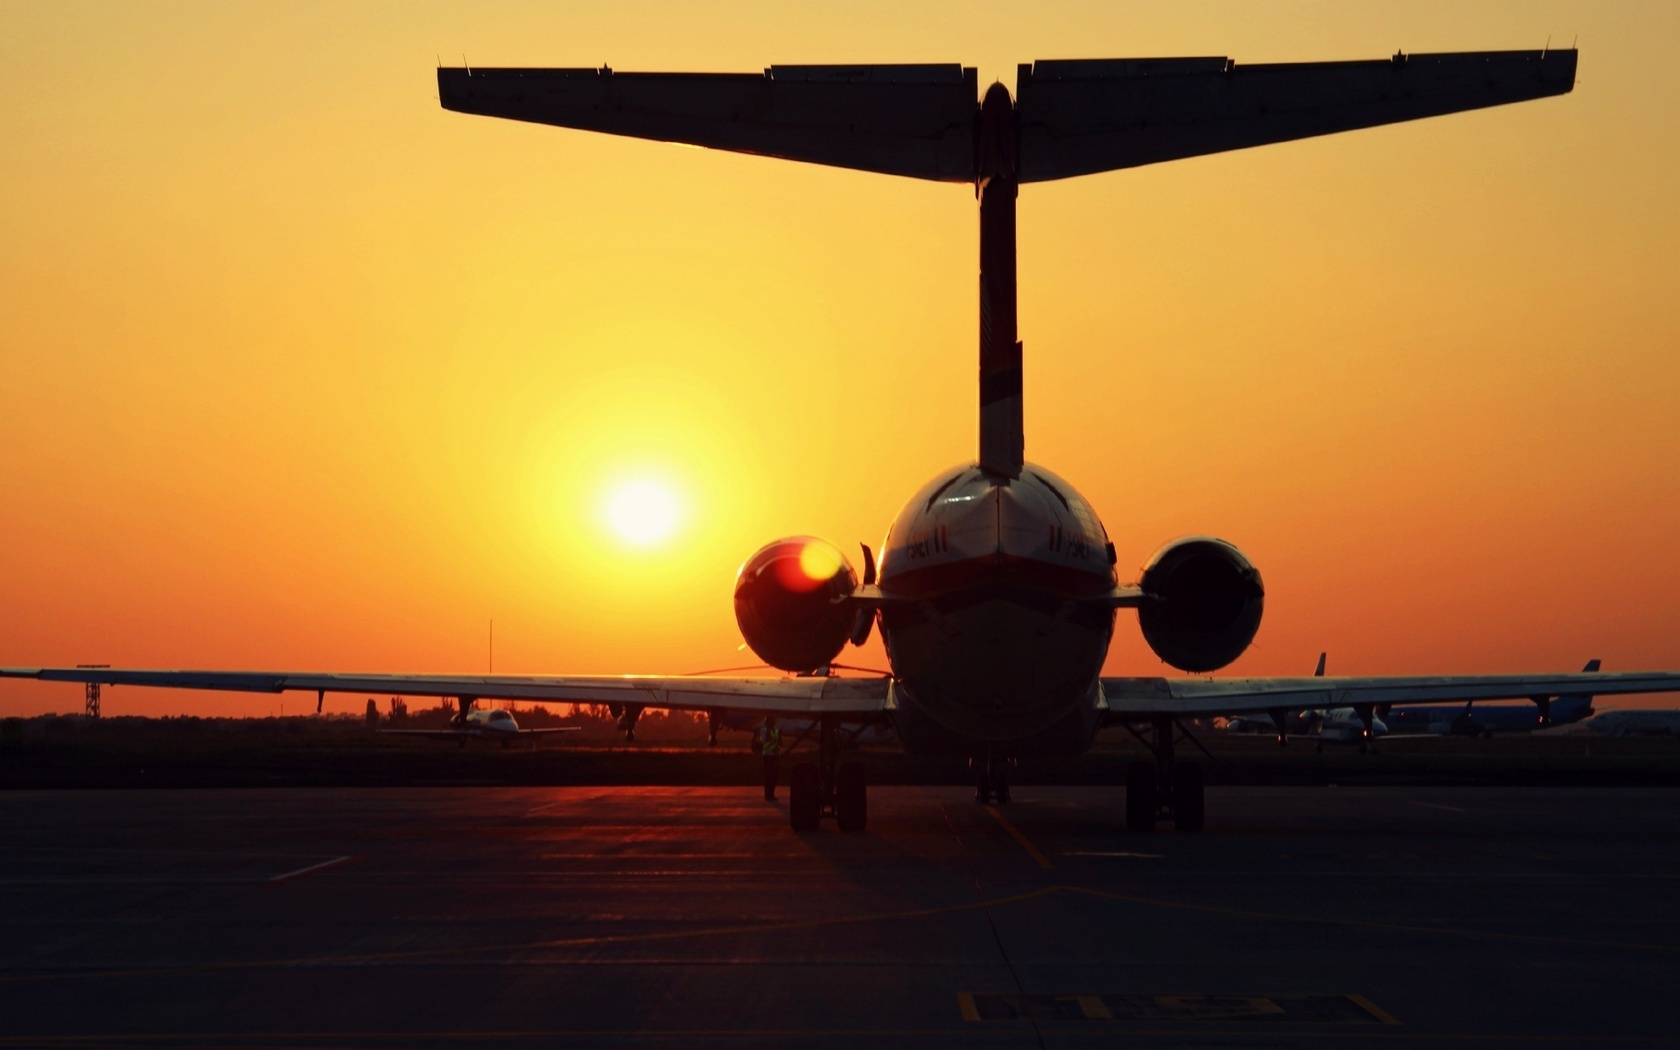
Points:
(828, 788)
(1164, 788)
(625, 717)
(992, 780)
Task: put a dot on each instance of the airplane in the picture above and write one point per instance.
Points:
(1507, 718)
(496, 724)
(1336, 725)
(996, 591)
(1636, 723)
(1343, 725)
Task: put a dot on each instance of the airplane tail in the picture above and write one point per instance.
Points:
(1571, 707)
(1069, 118)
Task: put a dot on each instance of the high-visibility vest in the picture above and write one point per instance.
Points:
(772, 740)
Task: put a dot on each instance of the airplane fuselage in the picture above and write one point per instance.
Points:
(994, 636)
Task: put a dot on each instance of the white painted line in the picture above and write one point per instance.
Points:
(545, 805)
(1436, 805)
(335, 862)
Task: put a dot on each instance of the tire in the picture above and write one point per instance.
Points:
(1142, 802)
(804, 798)
(851, 798)
(1188, 808)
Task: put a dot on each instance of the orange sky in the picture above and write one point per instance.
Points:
(299, 371)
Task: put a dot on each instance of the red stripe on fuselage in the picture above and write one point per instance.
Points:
(1062, 581)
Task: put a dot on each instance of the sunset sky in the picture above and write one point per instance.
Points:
(299, 371)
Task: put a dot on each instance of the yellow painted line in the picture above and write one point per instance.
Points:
(1015, 833)
(965, 1003)
(1092, 1007)
(323, 866)
(1373, 1009)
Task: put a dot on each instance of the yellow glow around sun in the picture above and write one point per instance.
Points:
(642, 512)
(819, 561)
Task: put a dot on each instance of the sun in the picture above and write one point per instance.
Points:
(642, 512)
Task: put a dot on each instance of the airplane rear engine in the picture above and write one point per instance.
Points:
(1203, 605)
(791, 603)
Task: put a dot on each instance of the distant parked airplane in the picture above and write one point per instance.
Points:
(1487, 720)
(497, 724)
(1636, 723)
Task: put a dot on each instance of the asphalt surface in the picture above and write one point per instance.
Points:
(524, 917)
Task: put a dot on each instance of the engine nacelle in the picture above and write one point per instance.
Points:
(790, 602)
(1203, 603)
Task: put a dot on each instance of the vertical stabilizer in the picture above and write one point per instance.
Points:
(996, 182)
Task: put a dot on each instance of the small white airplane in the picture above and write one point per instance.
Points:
(1636, 723)
(496, 724)
(996, 590)
(1336, 725)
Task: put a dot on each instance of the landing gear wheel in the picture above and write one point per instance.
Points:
(804, 798)
(1188, 810)
(1142, 803)
(851, 798)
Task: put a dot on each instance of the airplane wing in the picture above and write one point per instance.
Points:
(1081, 117)
(1137, 698)
(1074, 117)
(853, 698)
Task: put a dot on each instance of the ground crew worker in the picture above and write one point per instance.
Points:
(770, 747)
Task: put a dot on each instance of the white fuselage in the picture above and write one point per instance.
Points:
(996, 633)
(492, 723)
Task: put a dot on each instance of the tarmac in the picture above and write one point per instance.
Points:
(660, 916)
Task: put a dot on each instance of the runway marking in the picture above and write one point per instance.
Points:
(1014, 833)
(1435, 805)
(325, 864)
(1375, 1011)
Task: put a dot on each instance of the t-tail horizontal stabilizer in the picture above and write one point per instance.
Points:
(1071, 118)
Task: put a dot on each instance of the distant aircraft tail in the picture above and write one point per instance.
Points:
(1571, 707)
